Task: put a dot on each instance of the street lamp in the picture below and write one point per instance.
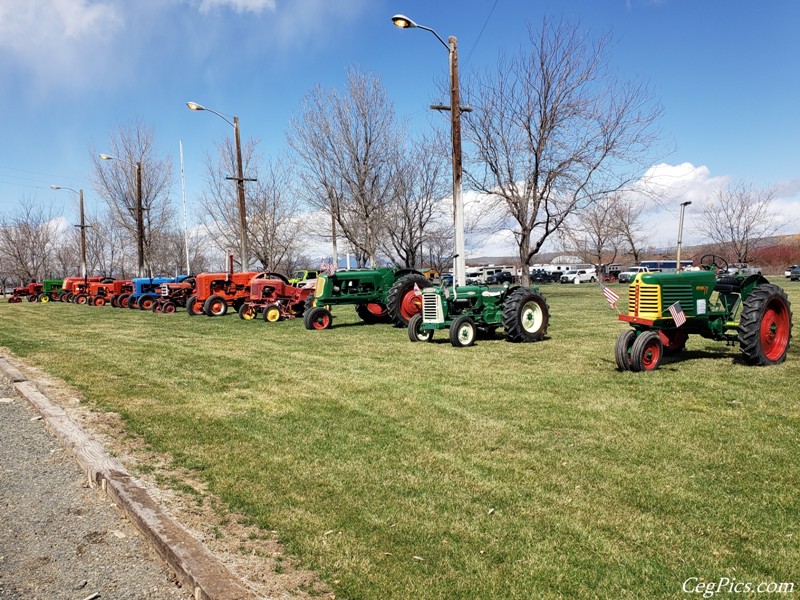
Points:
(240, 179)
(680, 235)
(82, 226)
(459, 266)
(139, 211)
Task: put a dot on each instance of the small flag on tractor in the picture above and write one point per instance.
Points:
(331, 267)
(677, 314)
(610, 295)
(417, 291)
(324, 265)
(446, 291)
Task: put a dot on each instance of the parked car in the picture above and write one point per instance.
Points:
(742, 268)
(578, 276)
(544, 276)
(630, 273)
(789, 269)
(795, 274)
(500, 278)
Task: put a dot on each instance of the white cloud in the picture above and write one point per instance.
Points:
(240, 6)
(58, 40)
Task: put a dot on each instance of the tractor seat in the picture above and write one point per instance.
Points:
(728, 285)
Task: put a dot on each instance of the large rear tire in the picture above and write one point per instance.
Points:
(146, 302)
(372, 312)
(215, 306)
(402, 301)
(765, 326)
(526, 316)
(647, 352)
(122, 300)
(622, 349)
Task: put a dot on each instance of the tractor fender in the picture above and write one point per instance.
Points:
(750, 283)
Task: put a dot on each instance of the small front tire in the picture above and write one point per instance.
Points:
(463, 332)
(415, 334)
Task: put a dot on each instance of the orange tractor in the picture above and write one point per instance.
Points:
(120, 292)
(75, 285)
(174, 294)
(272, 296)
(96, 293)
(215, 292)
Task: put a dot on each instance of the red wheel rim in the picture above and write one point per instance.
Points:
(216, 307)
(100, 302)
(410, 305)
(322, 321)
(168, 308)
(146, 305)
(775, 330)
(651, 354)
(376, 309)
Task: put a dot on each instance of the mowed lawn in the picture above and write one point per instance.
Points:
(401, 470)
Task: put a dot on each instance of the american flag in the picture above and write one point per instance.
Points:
(446, 291)
(417, 291)
(331, 267)
(677, 313)
(324, 266)
(610, 295)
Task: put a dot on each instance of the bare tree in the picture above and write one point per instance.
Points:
(28, 240)
(738, 217)
(629, 218)
(595, 232)
(416, 205)
(116, 183)
(553, 133)
(347, 142)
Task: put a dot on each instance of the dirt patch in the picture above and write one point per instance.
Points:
(253, 554)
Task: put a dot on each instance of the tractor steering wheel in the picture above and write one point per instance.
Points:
(712, 261)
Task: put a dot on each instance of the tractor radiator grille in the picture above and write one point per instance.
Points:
(432, 307)
(683, 294)
(644, 301)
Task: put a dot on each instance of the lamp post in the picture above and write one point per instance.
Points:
(240, 179)
(139, 211)
(459, 262)
(82, 226)
(680, 235)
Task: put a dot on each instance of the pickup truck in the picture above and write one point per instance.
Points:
(578, 276)
(630, 273)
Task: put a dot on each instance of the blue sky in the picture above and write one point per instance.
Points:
(72, 71)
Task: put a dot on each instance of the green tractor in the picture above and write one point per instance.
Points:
(380, 295)
(522, 312)
(51, 288)
(733, 308)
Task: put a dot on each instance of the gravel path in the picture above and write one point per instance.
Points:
(59, 539)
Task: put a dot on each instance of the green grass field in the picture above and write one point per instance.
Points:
(511, 470)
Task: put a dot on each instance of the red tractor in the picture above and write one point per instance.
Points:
(272, 296)
(30, 292)
(215, 292)
(98, 293)
(173, 295)
(75, 285)
(121, 288)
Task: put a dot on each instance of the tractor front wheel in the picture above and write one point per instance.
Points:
(415, 334)
(404, 299)
(81, 299)
(247, 312)
(44, 298)
(463, 332)
(146, 302)
(99, 301)
(168, 308)
(272, 313)
(647, 352)
(622, 349)
(318, 318)
(765, 326)
(215, 306)
(133, 302)
(525, 316)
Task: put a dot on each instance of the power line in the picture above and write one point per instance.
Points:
(478, 39)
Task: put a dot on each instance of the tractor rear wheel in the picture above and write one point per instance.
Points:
(526, 316)
(647, 352)
(122, 300)
(403, 301)
(81, 299)
(69, 297)
(133, 302)
(33, 298)
(415, 334)
(99, 301)
(372, 312)
(318, 318)
(622, 349)
(61, 296)
(247, 312)
(215, 306)
(272, 313)
(463, 332)
(765, 326)
(193, 307)
(146, 302)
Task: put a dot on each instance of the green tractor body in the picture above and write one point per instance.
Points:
(51, 288)
(464, 310)
(743, 309)
(381, 295)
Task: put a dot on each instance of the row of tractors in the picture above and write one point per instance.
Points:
(663, 309)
